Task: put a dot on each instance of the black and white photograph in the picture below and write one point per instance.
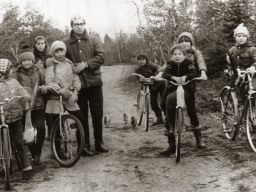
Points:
(128, 95)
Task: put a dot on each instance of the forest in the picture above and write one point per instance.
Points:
(212, 23)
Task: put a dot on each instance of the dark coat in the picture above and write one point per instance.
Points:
(185, 68)
(87, 49)
(242, 56)
(29, 79)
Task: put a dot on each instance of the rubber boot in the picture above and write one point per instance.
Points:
(171, 148)
(159, 120)
(199, 142)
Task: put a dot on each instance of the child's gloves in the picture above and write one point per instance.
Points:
(66, 93)
(43, 90)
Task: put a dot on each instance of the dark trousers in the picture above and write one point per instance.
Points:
(93, 98)
(159, 88)
(16, 133)
(171, 103)
(37, 117)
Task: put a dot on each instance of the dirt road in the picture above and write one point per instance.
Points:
(134, 164)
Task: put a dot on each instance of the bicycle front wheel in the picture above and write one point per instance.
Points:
(250, 123)
(229, 111)
(68, 143)
(147, 106)
(7, 158)
(179, 126)
(140, 107)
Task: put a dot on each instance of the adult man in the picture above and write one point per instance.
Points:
(87, 54)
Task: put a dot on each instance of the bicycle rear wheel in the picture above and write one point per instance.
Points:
(179, 126)
(140, 107)
(7, 158)
(229, 111)
(250, 123)
(147, 105)
(68, 144)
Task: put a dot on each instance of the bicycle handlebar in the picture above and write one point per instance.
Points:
(185, 83)
(7, 100)
(147, 80)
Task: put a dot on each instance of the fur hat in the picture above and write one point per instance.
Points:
(241, 29)
(57, 45)
(26, 53)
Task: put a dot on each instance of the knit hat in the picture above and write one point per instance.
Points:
(57, 45)
(26, 53)
(241, 29)
(187, 35)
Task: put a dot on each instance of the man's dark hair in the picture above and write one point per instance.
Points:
(142, 56)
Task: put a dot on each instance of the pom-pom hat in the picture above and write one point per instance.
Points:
(241, 29)
(26, 53)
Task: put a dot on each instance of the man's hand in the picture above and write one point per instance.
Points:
(80, 67)
(203, 75)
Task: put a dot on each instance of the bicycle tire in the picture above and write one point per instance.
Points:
(230, 116)
(179, 126)
(64, 152)
(250, 123)
(140, 107)
(147, 105)
(7, 158)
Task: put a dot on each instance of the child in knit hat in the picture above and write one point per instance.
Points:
(59, 74)
(13, 111)
(243, 54)
(29, 75)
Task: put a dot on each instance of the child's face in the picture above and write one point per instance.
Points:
(178, 56)
(27, 63)
(186, 43)
(59, 54)
(241, 38)
(142, 61)
(40, 45)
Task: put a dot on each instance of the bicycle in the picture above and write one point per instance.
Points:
(143, 100)
(67, 136)
(179, 118)
(6, 146)
(231, 117)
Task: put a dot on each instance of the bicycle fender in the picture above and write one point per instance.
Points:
(224, 89)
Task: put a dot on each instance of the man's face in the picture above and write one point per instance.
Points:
(78, 26)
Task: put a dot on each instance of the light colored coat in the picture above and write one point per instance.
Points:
(61, 73)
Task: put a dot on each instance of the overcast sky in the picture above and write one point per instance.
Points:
(102, 16)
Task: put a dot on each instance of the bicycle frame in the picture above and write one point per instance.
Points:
(145, 94)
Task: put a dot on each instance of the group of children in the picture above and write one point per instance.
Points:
(36, 70)
(46, 66)
(186, 63)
